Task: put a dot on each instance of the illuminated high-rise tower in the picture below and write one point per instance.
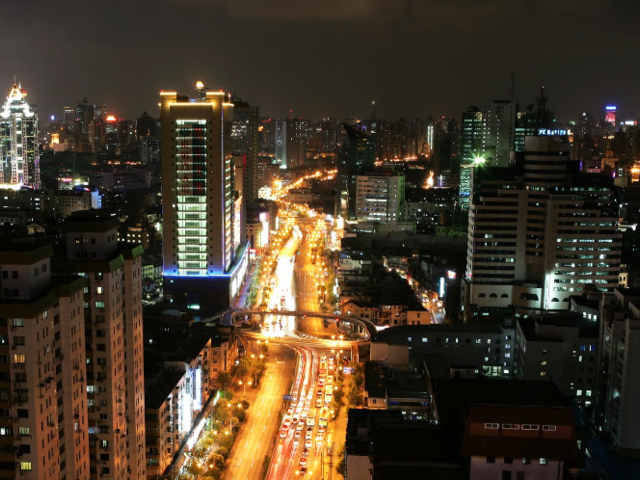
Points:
(203, 269)
(20, 160)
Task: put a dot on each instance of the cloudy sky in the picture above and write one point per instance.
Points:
(324, 58)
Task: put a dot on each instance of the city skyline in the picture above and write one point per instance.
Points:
(433, 70)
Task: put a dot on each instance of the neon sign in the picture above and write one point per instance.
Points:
(553, 131)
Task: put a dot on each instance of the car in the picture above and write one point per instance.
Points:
(307, 407)
(294, 419)
(319, 403)
(311, 420)
(319, 394)
(328, 389)
(319, 441)
(290, 411)
(286, 424)
(305, 452)
(329, 380)
(321, 433)
(303, 471)
(308, 443)
(328, 397)
(321, 430)
(303, 416)
(300, 426)
(323, 422)
(308, 434)
(298, 434)
(296, 441)
(303, 462)
(283, 433)
(321, 382)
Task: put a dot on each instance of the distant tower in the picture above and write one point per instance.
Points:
(19, 156)
(610, 114)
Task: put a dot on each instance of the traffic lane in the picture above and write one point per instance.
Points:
(256, 436)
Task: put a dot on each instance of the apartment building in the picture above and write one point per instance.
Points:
(43, 398)
(380, 197)
(114, 348)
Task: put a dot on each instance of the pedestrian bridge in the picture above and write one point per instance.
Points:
(366, 325)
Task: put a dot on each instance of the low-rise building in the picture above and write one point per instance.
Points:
(488, 348)
(562, 348)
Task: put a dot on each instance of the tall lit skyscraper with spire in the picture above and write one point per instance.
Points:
(204, 263)
(20, 160)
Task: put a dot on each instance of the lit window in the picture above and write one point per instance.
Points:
(543, 374)
(544, 461)
(25, 466)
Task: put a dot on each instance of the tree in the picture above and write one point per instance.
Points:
(223, 451)
(340, 463)
(224, 379)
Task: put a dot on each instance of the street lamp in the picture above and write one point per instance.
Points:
(244, 386)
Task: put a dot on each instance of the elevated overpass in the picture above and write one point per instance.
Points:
(365, 324)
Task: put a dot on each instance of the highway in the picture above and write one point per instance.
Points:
(256, 437)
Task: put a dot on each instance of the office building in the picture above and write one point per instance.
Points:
(202, 269)
(44, 421)
(19, 143)
(380, 197)
(539, 235)
(245, 140)
(112, 338)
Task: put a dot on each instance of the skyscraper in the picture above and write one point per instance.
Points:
(356, 158)
(281, 143)
(245, 141)
(20, 158)
(296, 141)
(202, 269)
(499, 131)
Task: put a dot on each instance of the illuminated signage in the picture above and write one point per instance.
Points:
(553, 131)
(451, 275)
(611, 108)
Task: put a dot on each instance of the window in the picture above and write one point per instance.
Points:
(491, 459)
(25, 466)
(527, 426)
(548, 428)
(543, 374)
(19, 340)
(18, 322)
(508, 460)
(491, 426)
(543, 362)
(99, 290)
(544, 461)
(19, 358)
(104, 443)
(526, 461)
(24, 431)
(510, 426)
(99, 304)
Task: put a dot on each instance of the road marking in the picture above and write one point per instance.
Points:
(264, 429)
(246, 445)
(239, 462)
(254, 461)
(269, 414)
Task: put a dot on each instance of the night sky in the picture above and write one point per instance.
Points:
(325, 57)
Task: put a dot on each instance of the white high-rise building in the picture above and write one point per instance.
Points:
(540, 235)
(19, 155)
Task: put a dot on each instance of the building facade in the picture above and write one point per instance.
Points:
(380, 198)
